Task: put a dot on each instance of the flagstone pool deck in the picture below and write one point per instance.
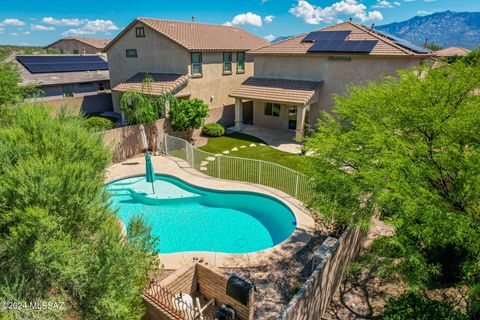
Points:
(180, 169)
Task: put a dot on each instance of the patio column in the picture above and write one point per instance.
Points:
(301, 111)
(238, 114)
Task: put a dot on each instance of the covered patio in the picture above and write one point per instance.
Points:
(279, 104)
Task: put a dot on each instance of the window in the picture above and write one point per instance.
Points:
(196, 63)
(272, 109)
(85, 85)
(240, 62)
(67, 91)
(227, 62)
(101, 86)
(75, 51)
(131, 53)
(140, 32)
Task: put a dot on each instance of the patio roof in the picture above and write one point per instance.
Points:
(278, 90)
(162, 83)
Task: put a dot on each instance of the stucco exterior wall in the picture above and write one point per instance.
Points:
(70, 45)
(337, 75)
(262, 120)
(158, 54)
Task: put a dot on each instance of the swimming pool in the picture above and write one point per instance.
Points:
(190, 218)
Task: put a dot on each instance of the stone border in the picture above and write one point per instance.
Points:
(181, 170)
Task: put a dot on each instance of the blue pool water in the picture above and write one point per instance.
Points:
(188, 218)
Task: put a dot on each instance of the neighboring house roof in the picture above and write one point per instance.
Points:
(195, 36)
(98, 43)
(277, 90)
(452, 52)
(58, 78)
(162, 83)
(384, 47)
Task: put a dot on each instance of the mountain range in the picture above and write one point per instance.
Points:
(443, 28)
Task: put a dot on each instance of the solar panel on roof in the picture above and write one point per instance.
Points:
(64, 63)
(404, 43)
(353, 46)
(317, 36)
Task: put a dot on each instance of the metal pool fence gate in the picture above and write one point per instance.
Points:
(240, 169)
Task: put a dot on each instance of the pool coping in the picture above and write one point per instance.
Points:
(179, 169)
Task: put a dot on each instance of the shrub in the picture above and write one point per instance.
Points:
(416, 307)
(187, 115)
(99, 123)
(213, 130)
(59, 238)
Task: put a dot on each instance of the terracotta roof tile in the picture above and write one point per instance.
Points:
(452, 52)
(277, 90)
(98, 43)
(384, 46)
(162, 83)
(204, 37)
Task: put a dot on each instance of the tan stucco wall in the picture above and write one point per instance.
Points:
(336, 75)
(261, 120)
(157, 53)
(69, 45)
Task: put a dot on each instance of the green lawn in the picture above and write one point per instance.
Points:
(266, 153)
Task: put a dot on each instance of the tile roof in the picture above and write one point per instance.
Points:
(277, 90)
(452, 52)
(98, 43)
(162, 83)
(202, 36)
(384, 47)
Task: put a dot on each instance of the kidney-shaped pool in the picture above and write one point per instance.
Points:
(189, 218)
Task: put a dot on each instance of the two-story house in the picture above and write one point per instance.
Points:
(187, 59)
(297, 78)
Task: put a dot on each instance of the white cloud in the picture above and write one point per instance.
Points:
(92, 27)
(64, 22)
(39, 27)
(268, 19)
(245, 18)
(312, 14)
(270, 37)
(26, 32)
(423, 12)
(12, 22)
(13, 34)
(386, 4)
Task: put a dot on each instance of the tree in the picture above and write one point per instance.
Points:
(188, 115)
(407, 149)
(434, 47)
(144, 107)
(59, 239)
(10, 90)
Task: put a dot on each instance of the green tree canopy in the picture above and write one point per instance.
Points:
(407, 149)
(59, 239)
(187, 115)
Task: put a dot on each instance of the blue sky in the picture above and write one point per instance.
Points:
(40, 22)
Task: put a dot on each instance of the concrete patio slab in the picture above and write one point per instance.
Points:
(282, 140)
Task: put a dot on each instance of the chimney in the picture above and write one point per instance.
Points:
(426, 43)
(371, 28)
(193, 18)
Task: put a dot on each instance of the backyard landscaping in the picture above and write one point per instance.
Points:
(239, 145)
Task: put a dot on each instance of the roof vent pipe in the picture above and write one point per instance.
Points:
(193, 18)
(350, 19)
(426, 43)
(371, 28)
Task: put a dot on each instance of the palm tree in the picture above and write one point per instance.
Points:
(145, 108)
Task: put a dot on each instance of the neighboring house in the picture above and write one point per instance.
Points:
(81, 80)
(452, 52)
(187, 59)
(76, 45)
(297, 78)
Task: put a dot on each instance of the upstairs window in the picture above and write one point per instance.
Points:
(272, 109)
(131, 53)
(240, 62)
(196, 63)
(227, 62)
(140, 32)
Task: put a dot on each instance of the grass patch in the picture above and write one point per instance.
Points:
(266, 153)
